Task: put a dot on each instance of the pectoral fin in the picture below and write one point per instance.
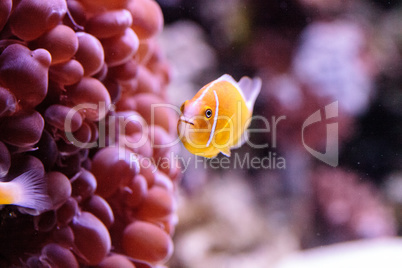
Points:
(225, 151)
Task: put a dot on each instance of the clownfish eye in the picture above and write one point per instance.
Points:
(208, 113)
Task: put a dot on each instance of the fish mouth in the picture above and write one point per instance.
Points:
(185, 120)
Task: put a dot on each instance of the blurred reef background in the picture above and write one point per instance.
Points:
(309, 53)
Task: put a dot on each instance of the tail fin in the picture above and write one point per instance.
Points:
(33, 191)
(250, 88)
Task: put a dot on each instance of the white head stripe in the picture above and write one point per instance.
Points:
(211, 135)
(210, 86)
(206, 90)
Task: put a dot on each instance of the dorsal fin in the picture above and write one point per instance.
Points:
(250, 88)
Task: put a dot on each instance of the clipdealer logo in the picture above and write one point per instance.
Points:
(331, 154)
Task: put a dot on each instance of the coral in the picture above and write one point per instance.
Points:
(79, 80)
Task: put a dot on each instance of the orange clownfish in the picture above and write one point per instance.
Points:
(28, 190)
(217, 118)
